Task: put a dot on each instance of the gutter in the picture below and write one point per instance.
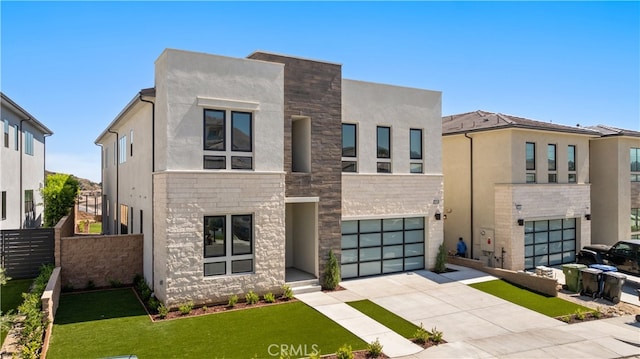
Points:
(153, 192)
(470, 190)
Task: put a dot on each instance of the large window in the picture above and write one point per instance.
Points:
(550, 242)
(124, 219)
(6, 133)
(28, 143)
(29, 207)
(228, 244)
(530, 154)
(222, 128)
(635, 220)
(551, 164)
(571, 163)
(635, 164)
(377, 246)
(383, 140)
(122, 150)
(415, 150)
(4, 204)
(349, 147)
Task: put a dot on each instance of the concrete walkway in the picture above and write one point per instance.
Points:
(475, 324)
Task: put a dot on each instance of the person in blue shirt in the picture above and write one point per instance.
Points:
(462, 248)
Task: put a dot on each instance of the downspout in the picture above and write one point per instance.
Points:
(470, 189)
(117, 204)
(153, 192)
(21, 203)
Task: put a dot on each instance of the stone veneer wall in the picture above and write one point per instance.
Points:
(314, 89)
(539, 202)
(100, 259)
(377, 196)
(64, 228)
(182, 200)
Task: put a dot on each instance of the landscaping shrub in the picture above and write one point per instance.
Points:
(331, 276)
(251, 297)
(436, 336)
(233, 300)
(421, 335)
(580, 314)
(153, 303)
(287, 292)
(269, 298)
(90, 285)
(115, 283)
(344, 352)
(204, 308)
(35, 322)
(162, 311)
(441, 260)
(186, 308)
(374, 349)
(58, 195)
(3, 277)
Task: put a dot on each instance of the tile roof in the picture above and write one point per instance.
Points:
(485, 121)
(607, 131)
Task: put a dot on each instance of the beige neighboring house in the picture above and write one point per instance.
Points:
(615, 184)
(516, 190)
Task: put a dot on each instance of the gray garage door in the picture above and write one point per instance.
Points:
(548, 243)
(379, 246)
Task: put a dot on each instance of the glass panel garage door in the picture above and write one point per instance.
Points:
(378, 246)
(548, 243)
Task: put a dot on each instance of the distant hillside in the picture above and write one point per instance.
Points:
(85, 184)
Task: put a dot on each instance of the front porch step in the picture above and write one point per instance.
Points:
(305, 286)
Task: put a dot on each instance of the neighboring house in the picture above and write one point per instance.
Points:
(615, 185)
(22, 166)
(516, 190)
(243, 174)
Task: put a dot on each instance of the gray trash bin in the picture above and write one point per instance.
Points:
(612, 289)
(590, 282)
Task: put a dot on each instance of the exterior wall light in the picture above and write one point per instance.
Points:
(520, 222)
(438, 215)
(587, 216)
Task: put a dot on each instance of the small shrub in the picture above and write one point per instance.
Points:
(162, 311)
(331, 276)
(153, 303)
(3, 277)
(436, 335)
(580, 314)
(115, 283)
(287, 292)
(441, 260)
(315, 355)
(137, 279)
(6, 320)
(344, 352)
(204, 308)
(374, 349)
(233, 300)
(34, 322)
(145, 294)
(186, 308)
(565, 318)
(90, 285)
(269, 298)
(251, 297)
(597, 313)
(421, 335)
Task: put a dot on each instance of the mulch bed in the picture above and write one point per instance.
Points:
(589, 316)
(357, 354)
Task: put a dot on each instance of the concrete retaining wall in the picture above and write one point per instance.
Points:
(51, 295)
(535, 283)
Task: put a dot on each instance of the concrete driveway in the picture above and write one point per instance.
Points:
(475, 324)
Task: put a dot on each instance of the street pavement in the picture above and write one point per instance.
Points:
(475, 324)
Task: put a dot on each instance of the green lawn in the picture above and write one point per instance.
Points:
(108, 323)
(549, 306)
(385, 317)
(11, 298)
(95, 228)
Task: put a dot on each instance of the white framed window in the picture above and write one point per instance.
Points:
(28, 143)
(6, 133)
(16, 138)
(383, 141)
(349, 147)
(228, 140)
(571, 164)
(415, 151)
(228, 244)
(122, 150)
(552, 174)
(530, 159)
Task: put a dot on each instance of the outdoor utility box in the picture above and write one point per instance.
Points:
(590, 282)
(612, 289)
(572, 276)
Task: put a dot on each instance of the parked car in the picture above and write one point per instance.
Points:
(624, 255)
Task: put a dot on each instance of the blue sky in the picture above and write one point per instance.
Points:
(75, 65)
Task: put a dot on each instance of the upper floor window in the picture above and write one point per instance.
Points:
(551, 163)
(635, 164)
(383, 140)
(6, 133)
(228, 249)
(122, 150)
(415, 150)
(28, 143)
(530, 154)
(349, 147)
(131, 143)
(16, 138)
(571, 163)
(223, 127)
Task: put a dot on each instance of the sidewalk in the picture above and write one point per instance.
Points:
(475, 324)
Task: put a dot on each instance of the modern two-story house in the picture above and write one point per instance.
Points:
(22, 166)
(615, 184)
(241, 173)
(516, 190)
